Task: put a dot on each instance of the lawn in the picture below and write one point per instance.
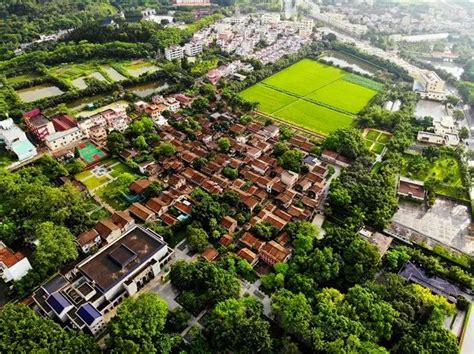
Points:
(95, 182)
(313, 95)
(120, 168)
(83, 175)
(375, 140)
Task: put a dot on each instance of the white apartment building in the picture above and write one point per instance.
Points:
(61, 140)
(174, 52)
(13, 266)
(430, 86)
(193, 48)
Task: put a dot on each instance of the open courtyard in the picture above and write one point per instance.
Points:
(313, 95)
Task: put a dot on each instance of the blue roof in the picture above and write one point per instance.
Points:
(58, 302)
(310, 160)
(88, 313)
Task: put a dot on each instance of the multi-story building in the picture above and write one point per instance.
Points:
(193, 48)
(64, 139)
(13, 266)
(38, 125)
(430, 86)
(82, 297)
(15, 140)
(192, 2)
(174, 52)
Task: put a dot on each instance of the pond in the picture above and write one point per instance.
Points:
(145, 90)
(141, 68)
(451, 68)
(81, 83)
(79, 104)
(345, 61)
(39, 92)
(114, 74)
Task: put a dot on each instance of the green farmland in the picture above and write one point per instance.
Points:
(312, 95)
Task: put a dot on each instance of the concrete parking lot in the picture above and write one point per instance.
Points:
(446, 222)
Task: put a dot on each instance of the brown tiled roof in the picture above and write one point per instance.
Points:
(140, 185)
(106, 227)
(121, 218)
(251, 241)
(275, 251)
(87, 237)
(168, 219)
(228, 222)
(8, 257)
(210, 254)
(226, 240)
(247, 254)
(141, 211)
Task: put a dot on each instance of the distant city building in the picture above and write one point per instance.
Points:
(192, 2)
(15, 140)
(82, 297)
(13, 266)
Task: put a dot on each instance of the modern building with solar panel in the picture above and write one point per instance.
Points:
(82, 298)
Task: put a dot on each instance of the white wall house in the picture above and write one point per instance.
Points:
(13, 266)
(15, 140)
(60, 140)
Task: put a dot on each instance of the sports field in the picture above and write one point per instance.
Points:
(90, 153)
(312, 95)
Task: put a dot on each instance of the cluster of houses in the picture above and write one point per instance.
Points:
(61, 132)
(160, 104)
(233, 69)
(243, 35)
(268, 192)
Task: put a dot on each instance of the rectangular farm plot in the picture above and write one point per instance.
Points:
(304, 77)
(314, 117)
(269, 99)
(344, 95)
(313, 95)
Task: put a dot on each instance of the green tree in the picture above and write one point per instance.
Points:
(23, 331)
(75, 166)
(230, 172)
(116, 142)
(293, 313)
(224, 144)
(165, 149)
(140, 143)
(361, 260)
(56, 246)
(200, 104)
(138, 326)
(458, 115)
(464, 133)
(291, 160)
(197, 238)
(346, 141)
(265, 230)
(237, 325)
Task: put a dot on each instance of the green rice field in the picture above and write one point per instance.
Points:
(312, 95)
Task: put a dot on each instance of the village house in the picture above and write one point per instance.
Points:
(13, 265)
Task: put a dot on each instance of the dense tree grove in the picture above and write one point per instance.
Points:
(139, 326)
(23, 330)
